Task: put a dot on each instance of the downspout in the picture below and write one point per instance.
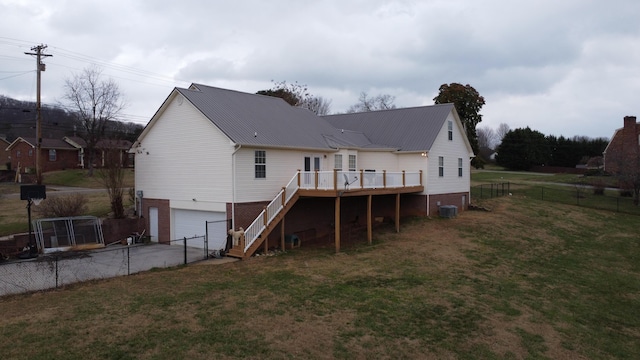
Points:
(425, 181)
(233, 186)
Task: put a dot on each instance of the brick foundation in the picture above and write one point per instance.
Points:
(164, 218)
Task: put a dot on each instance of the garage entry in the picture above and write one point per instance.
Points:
(190, 223)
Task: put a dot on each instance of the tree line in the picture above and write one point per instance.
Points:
(523, 148)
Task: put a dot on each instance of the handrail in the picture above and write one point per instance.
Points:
(328, 180)
(272, 210)
(363, 179)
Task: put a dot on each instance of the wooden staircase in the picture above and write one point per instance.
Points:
(257, 233)
(238, 252)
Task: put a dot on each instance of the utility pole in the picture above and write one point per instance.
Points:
(39, 68)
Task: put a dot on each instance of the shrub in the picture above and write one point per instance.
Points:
(62, 206)
(626, 192)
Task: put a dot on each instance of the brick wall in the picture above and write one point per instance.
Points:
(448, 199)
(624, 148)
(65, 159)
(164, 218)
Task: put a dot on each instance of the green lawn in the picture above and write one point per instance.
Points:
(524, 281)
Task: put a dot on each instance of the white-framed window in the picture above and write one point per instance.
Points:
(30, 152)
(460, 167)
(52, 154)
(352, 163)
(440, 166)
(260, 164)
(337, 159)
(18, 153)
(450, 128)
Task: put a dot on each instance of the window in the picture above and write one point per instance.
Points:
(352, 163)
(440, 166)
(450, 126)
(338, 161)
(460, 167)
(52, 155)
(18, 153)
(261, 164)
(30, 152)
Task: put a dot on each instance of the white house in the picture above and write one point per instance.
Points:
(211, 154)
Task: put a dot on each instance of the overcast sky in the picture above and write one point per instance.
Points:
(562, 67)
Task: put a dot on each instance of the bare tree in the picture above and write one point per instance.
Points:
(96, 102)
(487, 138)
(112, 177)
(503, 129)
(318, 105)
(373, 103)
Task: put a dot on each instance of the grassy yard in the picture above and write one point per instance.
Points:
(13, 213)
(524, 281)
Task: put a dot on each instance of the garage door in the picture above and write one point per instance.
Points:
(191, 223)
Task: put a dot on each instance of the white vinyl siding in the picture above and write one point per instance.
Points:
(260, 164)
(352, 163)
(183, 158)
(282, 166)
(451, 151)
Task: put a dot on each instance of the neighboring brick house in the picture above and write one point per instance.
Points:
(623, 151)
(123, 146)
(4, 153)
(55, 154)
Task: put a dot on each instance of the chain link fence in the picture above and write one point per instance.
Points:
(55, 270)
(580, 195)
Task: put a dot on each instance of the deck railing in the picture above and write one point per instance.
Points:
(328, 180)
(363, 179)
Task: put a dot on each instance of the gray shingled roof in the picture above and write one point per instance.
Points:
(259, 120)
(408, 129)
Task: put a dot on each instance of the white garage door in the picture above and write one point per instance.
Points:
(191, 223)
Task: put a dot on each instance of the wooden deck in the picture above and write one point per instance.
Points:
(327, 185)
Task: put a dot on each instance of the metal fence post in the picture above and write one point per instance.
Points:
(185, 250)
(128, 262)
(56, 271)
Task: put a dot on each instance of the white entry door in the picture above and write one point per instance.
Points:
(153, 223)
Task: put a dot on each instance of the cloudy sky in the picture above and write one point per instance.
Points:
(562, 67)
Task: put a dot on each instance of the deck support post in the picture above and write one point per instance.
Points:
(282, 244)
(398, 212)
(266, 245)
(337, 224)
(369, 220)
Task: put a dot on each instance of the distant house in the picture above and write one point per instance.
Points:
(5, 154)
(624, 148)
(102, 147)
(253, 161)
(62, 154)
(56, 154)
